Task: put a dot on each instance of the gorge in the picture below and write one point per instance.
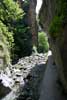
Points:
(33, 75)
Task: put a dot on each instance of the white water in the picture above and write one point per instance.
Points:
(38, 6)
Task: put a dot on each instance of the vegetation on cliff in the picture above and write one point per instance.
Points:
(6, 42)
(59, 19)
(43, 45)
(14, 32)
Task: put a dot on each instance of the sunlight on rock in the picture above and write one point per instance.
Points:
(49, 53)
(6, 80)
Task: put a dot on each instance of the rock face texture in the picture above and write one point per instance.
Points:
(32, 20)
(30, 9)
(59, 44)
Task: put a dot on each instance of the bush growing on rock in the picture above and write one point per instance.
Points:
(56, 26)
(59, 19)
(43, 45)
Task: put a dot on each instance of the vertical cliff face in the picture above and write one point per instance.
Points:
(46, 13)
(31, 17)
(53, 19)
(32, 20)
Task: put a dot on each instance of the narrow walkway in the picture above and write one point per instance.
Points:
(49, 88)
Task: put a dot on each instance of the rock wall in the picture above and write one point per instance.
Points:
(32, 20)
(29, 7)
(59, 48)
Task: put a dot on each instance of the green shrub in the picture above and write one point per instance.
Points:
(5, 36)
(6, 42)
(10, 11)
(60, 18)
(55, 26)
(14, 30)
(43, 45)
(23, 41)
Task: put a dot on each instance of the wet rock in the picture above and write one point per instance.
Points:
(6, 81)
(3, 90)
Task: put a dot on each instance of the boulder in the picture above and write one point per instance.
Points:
(3, 90)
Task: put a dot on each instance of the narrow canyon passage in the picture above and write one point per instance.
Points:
(32, 32)
(50, 89)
